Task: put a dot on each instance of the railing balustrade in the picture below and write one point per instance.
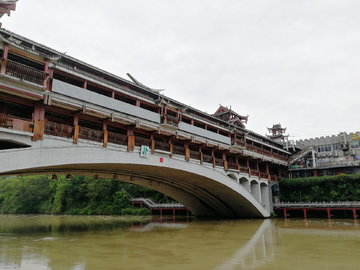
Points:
(139, 141)
(178, 150)
(232, 165)
(240, 142)
(91, 134)
(317, 204)
(117, 138)
(194, 154)
(244, 169)
(207, 158)
(219, 162)
(16, 123)
(56, 129)
(162, 146)
(25, 73)
(254, 172)
(172, 120)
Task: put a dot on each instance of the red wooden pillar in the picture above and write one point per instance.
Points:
(354, 212)
(285, 212)
(173, 211)
(328, 212)
(105, 134)
(4, 60)
(304, 213)
(39, 112)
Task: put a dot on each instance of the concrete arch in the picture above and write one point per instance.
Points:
(245, 182)
(204, 190)
(233, 176)
(265, 198)
(255, 189)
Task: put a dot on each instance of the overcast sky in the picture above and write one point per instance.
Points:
(291, 62)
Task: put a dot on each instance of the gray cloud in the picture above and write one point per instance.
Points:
(294, 62)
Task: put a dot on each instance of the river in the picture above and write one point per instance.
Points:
(34, 242)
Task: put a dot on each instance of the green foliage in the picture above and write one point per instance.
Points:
(341, 187)
(79, 196)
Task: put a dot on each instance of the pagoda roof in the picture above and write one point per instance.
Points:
(277, 127)
(231, 116)
(6, 6)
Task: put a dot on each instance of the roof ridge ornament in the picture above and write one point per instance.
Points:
(142, 85)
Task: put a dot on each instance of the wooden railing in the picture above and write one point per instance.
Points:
(91, 134)
(24, 73)
(116, 138)
(56, 129)
(162, 146)
(16, 123)
(76, 132)
(178, 150)
(139, 141)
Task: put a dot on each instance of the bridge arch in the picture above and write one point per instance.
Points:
(205, 190)
(233, 176)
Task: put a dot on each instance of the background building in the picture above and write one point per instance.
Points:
(328, 155)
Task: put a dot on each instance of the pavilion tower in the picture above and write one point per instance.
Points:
(278, 133)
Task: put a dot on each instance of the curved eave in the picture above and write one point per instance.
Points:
(14, 47)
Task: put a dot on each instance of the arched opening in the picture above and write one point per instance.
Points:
(243, 181)
(255, 189)
(233, 176)
(265, 196)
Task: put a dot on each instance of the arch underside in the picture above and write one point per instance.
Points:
(203, 195)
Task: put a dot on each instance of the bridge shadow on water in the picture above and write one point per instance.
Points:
(71, 242)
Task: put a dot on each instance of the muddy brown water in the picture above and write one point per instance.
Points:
(106, 242)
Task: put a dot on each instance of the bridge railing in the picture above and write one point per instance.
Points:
(24, 73)
(16, 123)
(139, 141)
(317, 204)
(117, 138)
(162, 146)
(149, 203)
(232, 165)
(56, 129)
(207, 158)
(75, 132)
(178, 150)
(194, 154)
(91, 134)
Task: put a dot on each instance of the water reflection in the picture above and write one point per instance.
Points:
(66, 242)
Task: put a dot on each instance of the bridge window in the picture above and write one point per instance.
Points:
(354, 145)
(125, 99)
(212, 129)
(91, 125)
(16, 110)
(99, 90)
(68, 79)
(117, 130)
(59, 118)
(324, 148)
(224, 133)
(149, 107)
(186, 120)
(25, 61)
(200, 125)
